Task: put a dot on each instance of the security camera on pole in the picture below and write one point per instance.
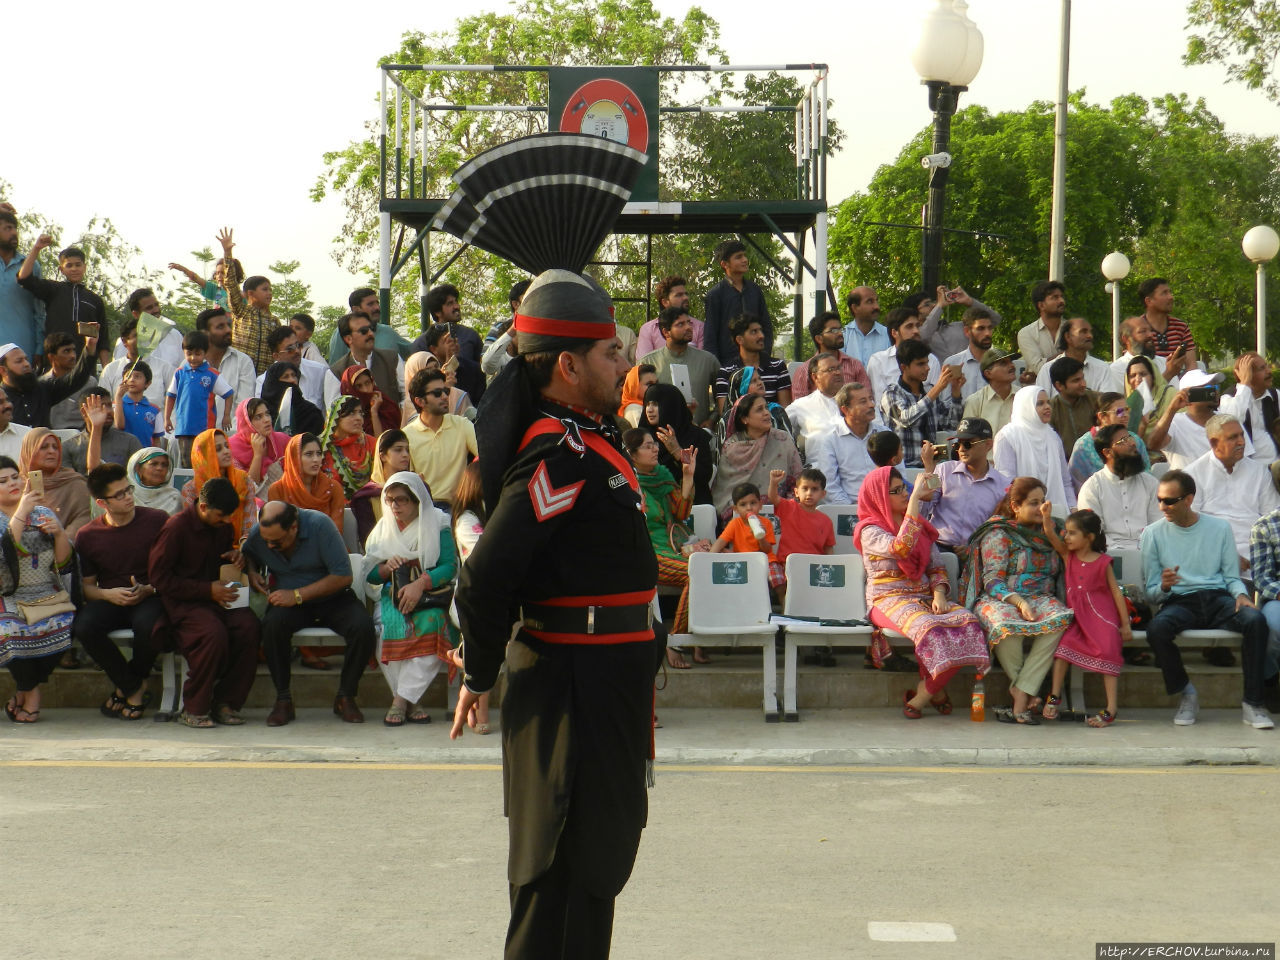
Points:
(947, 58)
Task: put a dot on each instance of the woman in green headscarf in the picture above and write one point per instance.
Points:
(349, 457)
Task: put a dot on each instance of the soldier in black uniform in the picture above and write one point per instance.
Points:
(567, 555)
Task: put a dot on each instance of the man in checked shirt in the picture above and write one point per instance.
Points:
(914, 413)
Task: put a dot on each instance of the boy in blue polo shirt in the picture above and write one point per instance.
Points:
(190, 395)
(134, 413)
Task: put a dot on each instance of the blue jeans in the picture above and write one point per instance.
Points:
(1209, 610)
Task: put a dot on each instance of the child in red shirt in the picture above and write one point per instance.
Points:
(738, 536)
(805, 529)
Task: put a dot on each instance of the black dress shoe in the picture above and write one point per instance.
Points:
(281, 713)
(346, 708)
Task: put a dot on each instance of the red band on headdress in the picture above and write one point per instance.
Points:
(575, 329)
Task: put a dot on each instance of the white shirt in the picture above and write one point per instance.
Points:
(1187, 442)
(1125, 507)
(496, 356)
(316, 380)
(1242, 403)
(161, 374)
(1098, 376)
(971, 367)
(311, 352)
(237, 369)
(11, 440)
(812, 415)
(1239, 497)
(884, 371)
(843, 459)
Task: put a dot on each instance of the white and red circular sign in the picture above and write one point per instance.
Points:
(609, 109)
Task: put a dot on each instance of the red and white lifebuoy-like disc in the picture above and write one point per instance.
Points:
(609, 109)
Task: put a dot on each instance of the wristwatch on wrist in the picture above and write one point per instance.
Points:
(297, 597)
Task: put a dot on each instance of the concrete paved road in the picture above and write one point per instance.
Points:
(231, 860)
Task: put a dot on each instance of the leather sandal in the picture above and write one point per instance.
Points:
(943, 706)
(1051, 706)
(908, 711)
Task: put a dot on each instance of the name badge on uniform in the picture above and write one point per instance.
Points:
(616, 481)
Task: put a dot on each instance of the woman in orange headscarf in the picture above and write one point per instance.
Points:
(211, 457)
(304, 484)
(639, 379)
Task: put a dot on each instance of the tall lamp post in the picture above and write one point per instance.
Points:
(947, 58)
(1260, 245)
(1115, 267)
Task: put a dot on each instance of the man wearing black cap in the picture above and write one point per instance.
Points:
(970, 487)
(994, 402)
(566, 554)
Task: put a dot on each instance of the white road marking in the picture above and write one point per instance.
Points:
(899, 932)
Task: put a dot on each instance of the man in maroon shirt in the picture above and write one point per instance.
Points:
(220, 644)
(113, 551)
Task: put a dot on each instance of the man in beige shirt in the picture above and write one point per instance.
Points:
(994, 402)
(439, 442)
(1038, 341)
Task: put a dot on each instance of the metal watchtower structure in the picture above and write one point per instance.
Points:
(624, 104)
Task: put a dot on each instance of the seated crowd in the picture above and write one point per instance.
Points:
(217, 482)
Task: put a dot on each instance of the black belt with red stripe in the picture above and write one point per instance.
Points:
(570, 620)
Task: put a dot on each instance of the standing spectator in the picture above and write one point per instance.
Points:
(133, 412)
(11, 433)
(1256, 405)
(151, 473)
(1075, 340)
(99, 441)
(68, 302)
(948, 339)
(864, 335)
(297, 559)
(1170, 332)
(211, 290)
(969, 488)
(978, 323)
(386, 337)
(219, 644)
(32, 397)
(500, 341)
(994, 402)
(251, 310)
(439, 442)
(815, 413)
(914, 413)
(1086, 458)
(30, 650)
(412, 546)
(443, 345)
(1038, 340)
(882, 368)
(827, 334)
(386, 367)
(60, 353)
(841, 453)
(113, 551)
(65, 491)
(752, 345)
(315, 380)
(1029, 447)
(1139, 340)
(22, 315)
(211, 459)
(1191, 568)
(734, 296)
(670, 292)
(1074, 405)
(233, 366)
(113, 372)
(303, 326)
(1122, 493)
(684, 365)
(1231, 486)
(188, 405)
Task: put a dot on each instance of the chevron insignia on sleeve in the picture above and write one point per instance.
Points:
(549, 501)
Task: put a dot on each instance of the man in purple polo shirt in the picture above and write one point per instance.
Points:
(970, 487)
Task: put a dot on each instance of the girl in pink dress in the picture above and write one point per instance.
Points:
(1101, 625)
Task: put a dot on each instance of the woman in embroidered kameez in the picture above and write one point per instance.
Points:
(349, 456)
(907, 588)
(1011, 585)
(36, 553)
(411, 646)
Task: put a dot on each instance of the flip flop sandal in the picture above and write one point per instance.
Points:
(1102, 719)
(195, 720)
(11, 710)
(225, 715)
(908, 711)
(419, 715)
(1026, 718)
(943, 706)
(482, 729)
(1004, 715)
(394, 717)
(111, 709)
(21, 712)
(1051, 706)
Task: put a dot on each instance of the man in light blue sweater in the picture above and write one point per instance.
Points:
(1190, 566)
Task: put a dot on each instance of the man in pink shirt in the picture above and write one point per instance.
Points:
(827, 333)
(671, 293)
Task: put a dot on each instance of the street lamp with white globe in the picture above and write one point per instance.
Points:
(947, 58)
(1260, 245)
(1115, 267)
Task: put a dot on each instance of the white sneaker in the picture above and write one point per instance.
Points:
(1257, 717)
(1188, 708)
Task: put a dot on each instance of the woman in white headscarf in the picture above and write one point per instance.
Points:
(1028, 447)
(151, 473)
(412, 644)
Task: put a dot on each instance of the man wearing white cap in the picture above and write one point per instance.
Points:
(1179, 434)
(32, 397)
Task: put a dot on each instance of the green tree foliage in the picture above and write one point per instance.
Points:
(703, 156)
(1242, 35)
(288, 295)
(1161, 181)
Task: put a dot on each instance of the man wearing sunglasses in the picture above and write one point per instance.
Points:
(970, 487)
(439, 441)
(385, 366)
(1190, 567)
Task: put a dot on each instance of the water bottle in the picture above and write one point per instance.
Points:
(757, 528)
(978, 702)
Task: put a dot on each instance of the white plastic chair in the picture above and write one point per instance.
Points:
(308, 636)
(844, 517)
(729, 602)
(830, 587)
(704, 521)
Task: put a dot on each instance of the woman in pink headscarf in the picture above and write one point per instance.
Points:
(907, 588)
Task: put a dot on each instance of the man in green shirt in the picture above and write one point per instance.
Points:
(682, 364)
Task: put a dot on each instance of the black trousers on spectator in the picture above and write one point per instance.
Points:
(343, 614)
(554, 918)
(1209, 610)
(28, 673)
(97, 618)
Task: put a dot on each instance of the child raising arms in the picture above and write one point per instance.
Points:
(1094, 639)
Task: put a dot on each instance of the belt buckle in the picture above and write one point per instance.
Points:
(591, 619)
